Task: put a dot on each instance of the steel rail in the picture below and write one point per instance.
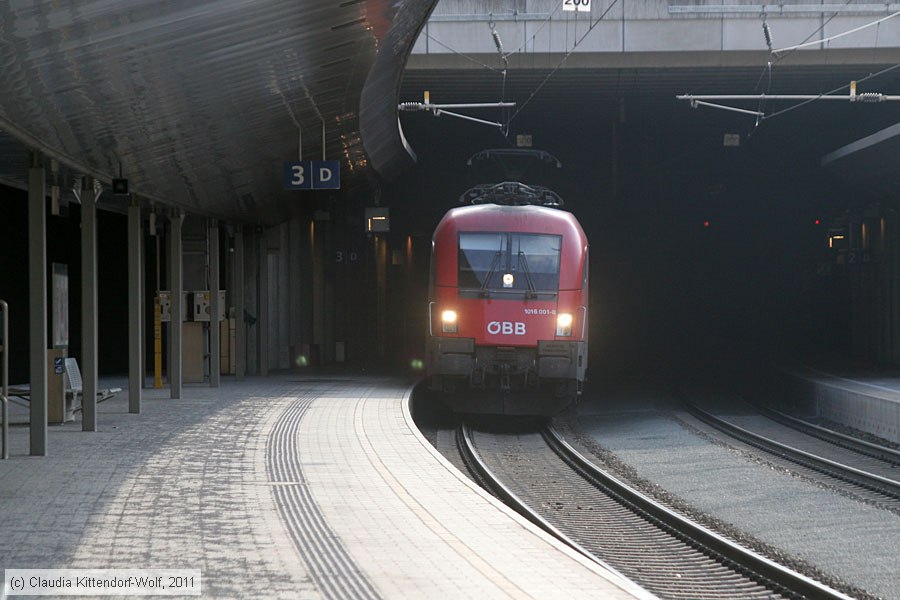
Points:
(837, 438)
(726, 552)
(718, 544)
(483, 473)
(864, 479)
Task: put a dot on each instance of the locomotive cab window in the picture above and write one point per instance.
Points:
(509, 263)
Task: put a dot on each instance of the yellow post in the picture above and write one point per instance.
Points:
(157, 344)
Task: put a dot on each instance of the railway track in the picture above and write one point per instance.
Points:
(863, 469)
(890, 456)
(541, 476)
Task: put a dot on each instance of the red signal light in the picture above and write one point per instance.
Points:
(706, 223)
(818, 222)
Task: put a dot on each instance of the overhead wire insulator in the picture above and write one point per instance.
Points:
(870, 97)
(768, 33)
(499, 44)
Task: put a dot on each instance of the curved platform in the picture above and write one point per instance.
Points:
(280, 487)
(865, 398)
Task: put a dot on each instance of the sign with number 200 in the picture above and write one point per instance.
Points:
(577, 5)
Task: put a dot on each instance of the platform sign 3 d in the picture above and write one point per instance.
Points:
(312, 175)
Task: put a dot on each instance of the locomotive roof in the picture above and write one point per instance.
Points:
(495, 217)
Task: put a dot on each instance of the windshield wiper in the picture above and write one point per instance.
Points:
(489, 274)
(531, 293)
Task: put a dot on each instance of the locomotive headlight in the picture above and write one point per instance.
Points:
(564, 324)
(448, 321)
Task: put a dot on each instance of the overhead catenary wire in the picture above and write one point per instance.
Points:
(499, 44)
(441, 109)
(767, 33)
(835, 90)
(543, 24)
(696, 100)
(505, 56)
(563, 60)
(462, 54)
(785, 54)
(774, 59)
(836, 36)
(695, 103)
(760, 109)
(438, 110)
(781, 53)
(862, 97)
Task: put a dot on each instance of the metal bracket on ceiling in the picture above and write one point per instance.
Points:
(704, 100)
(300, 140)
(441, 109)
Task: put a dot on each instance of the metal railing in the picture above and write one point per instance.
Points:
(4, 378)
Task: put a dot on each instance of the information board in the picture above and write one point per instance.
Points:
(312, 175)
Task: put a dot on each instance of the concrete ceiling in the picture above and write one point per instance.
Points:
(198, 102)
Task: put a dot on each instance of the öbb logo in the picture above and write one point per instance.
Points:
(506, 328)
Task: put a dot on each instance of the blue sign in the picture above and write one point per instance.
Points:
(326, 174)
(58, 365)
(298, 175)
(312, 175)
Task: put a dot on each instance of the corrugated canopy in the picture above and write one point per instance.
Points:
(198, 100)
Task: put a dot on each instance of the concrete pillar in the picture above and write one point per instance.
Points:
(176, 285)
(318, 287)
(240, 327)
(215, 345)
(328, 304)
(279, 297)
(892, 245)
(263, 308)
(135, 335)
(167, 285)
(307, 286)
(251, 299)
(145, 372)
(88, 305)
(381, 268)
(295, 269)
(37, 299)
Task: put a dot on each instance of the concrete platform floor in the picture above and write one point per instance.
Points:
(289, 486)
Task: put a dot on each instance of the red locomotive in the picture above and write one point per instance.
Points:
(508, 301)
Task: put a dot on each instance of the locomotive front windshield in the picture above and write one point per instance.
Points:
(509, 262)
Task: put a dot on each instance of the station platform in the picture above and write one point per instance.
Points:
(289, 486)
(864, 397)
